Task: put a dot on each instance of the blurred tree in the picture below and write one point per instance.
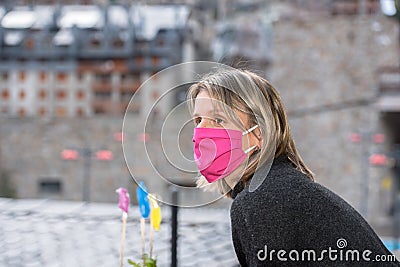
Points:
(7, 188)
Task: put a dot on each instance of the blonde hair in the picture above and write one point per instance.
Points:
(247, 92)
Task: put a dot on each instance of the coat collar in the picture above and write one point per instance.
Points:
(240, 185)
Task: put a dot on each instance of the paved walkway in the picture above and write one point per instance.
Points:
(61, 233)
(58, 233)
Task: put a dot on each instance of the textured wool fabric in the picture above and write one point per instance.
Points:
(309, 223)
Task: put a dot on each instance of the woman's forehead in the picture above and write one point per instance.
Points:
(205, 104)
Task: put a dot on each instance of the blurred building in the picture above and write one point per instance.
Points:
(73, 60)
(243, 39)
(67, 74)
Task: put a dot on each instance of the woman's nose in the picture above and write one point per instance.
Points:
(205, 123)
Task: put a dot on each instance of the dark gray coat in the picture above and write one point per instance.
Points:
(309, 223)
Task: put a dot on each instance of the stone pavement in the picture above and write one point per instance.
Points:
(60, 233)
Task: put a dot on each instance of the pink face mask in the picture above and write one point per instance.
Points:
(218, 151)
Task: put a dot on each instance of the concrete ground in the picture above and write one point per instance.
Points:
(55, 233)
(36, 232)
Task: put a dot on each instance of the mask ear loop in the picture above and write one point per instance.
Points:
(250, 130)
(249, 149)
(246, 132)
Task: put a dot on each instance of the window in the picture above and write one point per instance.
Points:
(155, 60)
(22, 76)
(5, 94)
(22, 94)
(103, 78)
(126, 96)
(95, 42)
(61, 94)
(29, 43)
(43, 76)
(102, 95)
(42, 111)
(139, 60)
(21, 112)
(42, 94)
(80, 112)
(61, 76)
(4, 76)
(80, 95)
(99, 109)
(118, 43)
(61, 111)
(50, 186)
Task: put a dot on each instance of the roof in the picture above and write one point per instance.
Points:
(81, 16)
(44, 16)
(147, 21)
(150, 19)
(24, 17)
(118, 16)
(21, 18)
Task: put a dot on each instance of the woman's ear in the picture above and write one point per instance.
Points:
(256, 138)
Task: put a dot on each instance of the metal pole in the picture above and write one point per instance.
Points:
(174, 228)
(87, 155)
(396, 215)
(396, 197)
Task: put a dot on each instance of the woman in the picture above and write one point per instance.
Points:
(279, 215)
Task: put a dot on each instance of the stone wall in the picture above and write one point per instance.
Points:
(31, 151)
(325, 69)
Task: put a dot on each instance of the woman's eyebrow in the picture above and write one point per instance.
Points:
(221, 114)
(211, 112)
(214, 112)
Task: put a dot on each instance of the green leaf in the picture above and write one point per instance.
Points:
(149, 262)
(134, 263)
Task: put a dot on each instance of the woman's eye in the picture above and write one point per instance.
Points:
(219, 120)
(197, 120)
